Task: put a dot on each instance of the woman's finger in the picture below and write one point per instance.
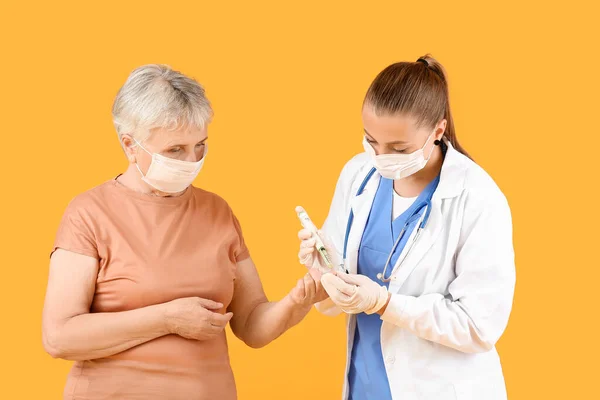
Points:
(213, 329)
(300, 290)
(220, 319)
(310, 287)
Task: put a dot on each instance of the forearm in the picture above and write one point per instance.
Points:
(97, 335)
(270, 320)
(440, 320)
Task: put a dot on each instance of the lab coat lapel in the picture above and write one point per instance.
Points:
(451, 184)
(361, 207)
(424, 242)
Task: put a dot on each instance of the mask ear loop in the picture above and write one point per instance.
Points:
(139, 144)
(432, 147)
(143, 148)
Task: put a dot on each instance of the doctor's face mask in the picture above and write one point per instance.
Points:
(398, 166)
(397, 149)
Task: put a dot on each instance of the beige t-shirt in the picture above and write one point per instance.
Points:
(152, 250)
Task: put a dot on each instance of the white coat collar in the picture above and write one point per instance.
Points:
(452, 175)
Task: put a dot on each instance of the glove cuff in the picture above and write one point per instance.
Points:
(381, 301)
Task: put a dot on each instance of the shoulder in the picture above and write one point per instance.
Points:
(90, 199)
(480, 189)
(205, 196)
(355, 169)
(211, 201)
(215, 210)
(85, 209)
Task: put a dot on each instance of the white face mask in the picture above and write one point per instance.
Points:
(398, 166)
(169, 175)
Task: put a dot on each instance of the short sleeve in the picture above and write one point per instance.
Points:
(75, 233)
(241, 252)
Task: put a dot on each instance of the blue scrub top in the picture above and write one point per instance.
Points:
(367, 377)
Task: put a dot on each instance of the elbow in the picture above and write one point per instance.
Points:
(51, 345)
(471, 341)
(487, 343)
(255, 344)
(256, 340)
(478, 347)
(250, 340)
(471, 347)
(53, 351)
(478, 343)
(54, 345)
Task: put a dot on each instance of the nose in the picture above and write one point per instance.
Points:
(191, 157)
(199, 154)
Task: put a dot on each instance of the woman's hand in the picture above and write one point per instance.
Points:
(195, 318)
(308, 290)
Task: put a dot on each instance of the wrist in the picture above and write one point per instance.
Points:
(166, 316)
(382, 309)
(289, 303)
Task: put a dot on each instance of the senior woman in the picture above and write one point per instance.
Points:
(147, 270)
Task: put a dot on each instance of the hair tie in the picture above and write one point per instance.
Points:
(424, 61)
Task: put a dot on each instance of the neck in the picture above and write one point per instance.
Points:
(132, 179)
(413, 185)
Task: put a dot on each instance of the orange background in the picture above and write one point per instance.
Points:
(286, 80)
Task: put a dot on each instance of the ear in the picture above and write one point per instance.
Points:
(440, 129)
(130, 147)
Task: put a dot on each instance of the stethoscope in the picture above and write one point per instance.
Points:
(415, 215)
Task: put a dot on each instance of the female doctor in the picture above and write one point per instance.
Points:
(423, 238)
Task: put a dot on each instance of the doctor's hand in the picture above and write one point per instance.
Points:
(355, 294)
(308, 254)
(308, 290)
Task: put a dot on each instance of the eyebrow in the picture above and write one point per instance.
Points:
(394, 142)
(183, 145)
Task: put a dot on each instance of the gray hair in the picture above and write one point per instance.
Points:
(155, 96)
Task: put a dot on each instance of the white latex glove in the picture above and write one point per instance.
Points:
(310, 257)
(355, 293)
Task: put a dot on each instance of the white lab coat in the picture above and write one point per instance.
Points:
(452, 296)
